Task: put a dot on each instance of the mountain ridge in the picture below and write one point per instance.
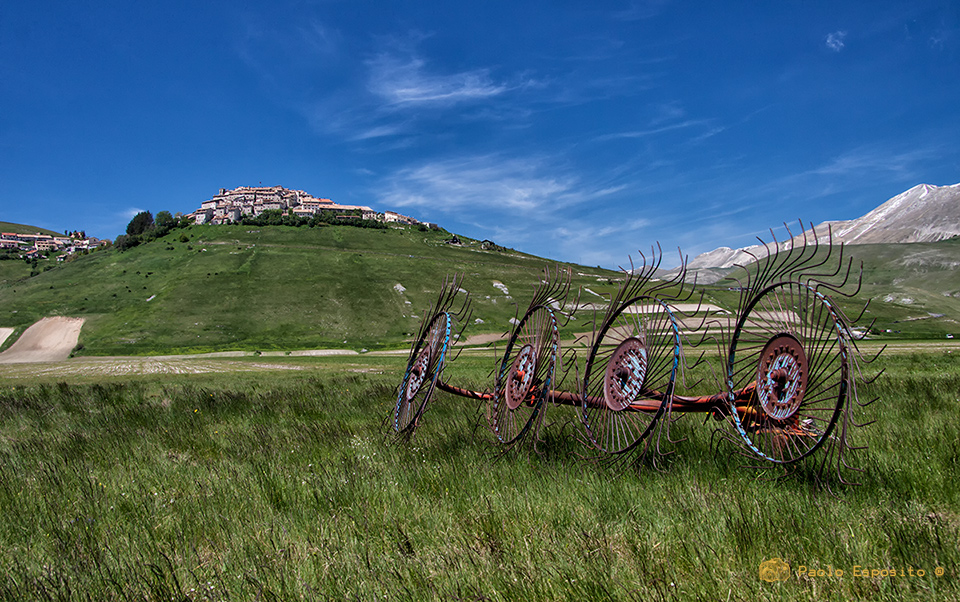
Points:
(924, 213)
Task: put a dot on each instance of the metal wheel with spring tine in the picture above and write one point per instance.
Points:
(525, 375)
(790, 344)
(423, 371)
(791, 366)
(634, 357)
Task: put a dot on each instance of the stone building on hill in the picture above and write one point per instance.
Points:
(230, 206)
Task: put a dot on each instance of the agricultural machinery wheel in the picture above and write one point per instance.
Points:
(790, 348)
(525, 375)
(423, 370)
(634, 359)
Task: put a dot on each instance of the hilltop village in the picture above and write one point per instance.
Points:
(226, 207)
(229, 206)
(34, 246)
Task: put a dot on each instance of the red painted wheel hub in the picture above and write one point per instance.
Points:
(782, 376)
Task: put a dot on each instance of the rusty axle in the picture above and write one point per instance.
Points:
(650, 401)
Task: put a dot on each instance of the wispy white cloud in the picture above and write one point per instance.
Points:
(392, 95)
(610, 243)
(581, 239)
(760, 201)
(482, 183)
(282, 55)
(583, 86)
(710, 133)
(378, 131)
(406, 81)
(641, 9)
(541, 205)
(585, 232)
(667, 112)
(756, 200)
(666, 117)
(866, 160)
(107, 223)
(943, 37)
(652, 131)
(398, 92)
(851, 170)
(835, 40)
(320, 38)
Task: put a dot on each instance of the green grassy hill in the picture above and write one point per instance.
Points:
(207, 288)
(25, 229)
(913, 289)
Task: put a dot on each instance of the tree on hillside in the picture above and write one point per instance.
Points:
(140, 223)
(164, 222)
(163, 219)
(124, 242)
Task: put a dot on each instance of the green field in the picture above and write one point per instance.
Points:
(12, 269)
(913, 289)
(208, 288)
(279, 484)
(26, 229)
(218, 288)
(272, 476)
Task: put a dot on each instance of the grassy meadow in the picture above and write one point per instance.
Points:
(286, 484)
(222, 288)
(26, 229)
(913, 289)
(217, 288)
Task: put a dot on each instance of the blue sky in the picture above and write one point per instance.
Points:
(576, 131)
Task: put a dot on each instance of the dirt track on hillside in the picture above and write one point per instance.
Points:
(49, 340)
(135, 366)
(484, 339)
(4, 333)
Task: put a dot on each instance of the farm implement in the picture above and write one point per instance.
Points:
(788, 359)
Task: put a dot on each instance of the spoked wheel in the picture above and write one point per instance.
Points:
(630, 374)
(787, 372)
(525, 375)
(423, 371)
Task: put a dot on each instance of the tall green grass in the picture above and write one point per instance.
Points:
(279, 485)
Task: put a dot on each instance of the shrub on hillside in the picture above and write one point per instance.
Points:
(124, 242)
(275, 217)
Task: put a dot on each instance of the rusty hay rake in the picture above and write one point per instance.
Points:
(789, 363)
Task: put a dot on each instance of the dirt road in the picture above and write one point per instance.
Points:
(49, 340)
(93, 367)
